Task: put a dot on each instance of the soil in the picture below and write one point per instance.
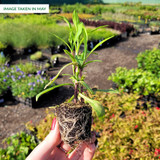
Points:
(14, 116)
(75, 124)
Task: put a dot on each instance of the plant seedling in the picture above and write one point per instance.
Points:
(75, 117)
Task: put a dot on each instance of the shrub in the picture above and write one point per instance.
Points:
(149, 60)
(136, 81)
(18, 146)
(131, 135)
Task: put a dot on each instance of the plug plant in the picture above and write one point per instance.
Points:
(75, 117)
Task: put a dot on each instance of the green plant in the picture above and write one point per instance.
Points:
(78, 36)
(3, 60)
(29, 86)
(131, 135)
(18, 146)
(42, 129)
(4, 79)
(136, 81)
(36, 56)
(149, 60)
(27, 68)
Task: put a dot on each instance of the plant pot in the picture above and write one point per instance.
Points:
(74, 122)
(39, 64)
(7, 96)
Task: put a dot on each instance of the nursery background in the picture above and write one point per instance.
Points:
(30, 56)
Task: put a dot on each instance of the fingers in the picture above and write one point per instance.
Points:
(44, 149)
(84, 151)
(88, 152)
(64, 147)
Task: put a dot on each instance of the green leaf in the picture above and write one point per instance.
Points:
(79, 32)
(70, 99)
(67, 21)
(75, 19)
(70, 55)
(50, 89)
(98, 108)
(63, 41)
(92, 61)
(58, 74)
(86, 86)
(98, 45)
(79, 60)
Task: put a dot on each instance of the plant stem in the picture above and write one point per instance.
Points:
(82, 100)
(76, 93)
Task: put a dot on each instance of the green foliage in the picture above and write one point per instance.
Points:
(27, 30)
(149, 60)
(4, 79)
(36, 56)
(136, 81)
(42, 129)
(18, 146)
(135, 135)
(99, 34)
(2, 46)
(27, 68)
(29, 86)
(3, 60)
(90, 9)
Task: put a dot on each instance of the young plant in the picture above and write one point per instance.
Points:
(75, 118)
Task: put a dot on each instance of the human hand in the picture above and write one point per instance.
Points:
(52, 148)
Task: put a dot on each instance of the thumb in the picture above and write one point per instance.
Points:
(43, 150)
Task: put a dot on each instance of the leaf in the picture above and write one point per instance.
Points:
(70, 55)
(79, 32)
(58, 74)
(75, 19)
(79, 60)
(62, 41)
(70, 99)
(86, 86)
(92, 61)
(98, 45)
(98, 108)
(50, 89)
(67, 21)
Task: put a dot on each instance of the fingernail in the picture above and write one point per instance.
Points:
(53, 124)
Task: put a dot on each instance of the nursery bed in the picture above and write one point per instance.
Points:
(14, 117)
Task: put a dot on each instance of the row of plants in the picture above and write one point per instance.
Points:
(86, 9)
(35, 31)
(122, 27)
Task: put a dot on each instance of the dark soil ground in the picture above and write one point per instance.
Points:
(13, 117)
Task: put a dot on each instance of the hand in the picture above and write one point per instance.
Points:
(52, 148)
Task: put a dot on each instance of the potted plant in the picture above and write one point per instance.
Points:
(75, 116)
(26, 88)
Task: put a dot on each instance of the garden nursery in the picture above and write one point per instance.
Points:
(95, 67)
